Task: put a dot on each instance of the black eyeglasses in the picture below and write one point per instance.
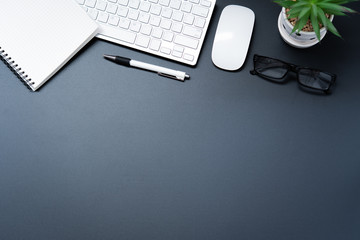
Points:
(276, 70)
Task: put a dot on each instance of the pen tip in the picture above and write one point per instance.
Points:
(108, 57)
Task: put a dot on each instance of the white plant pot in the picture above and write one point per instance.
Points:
(297, 39)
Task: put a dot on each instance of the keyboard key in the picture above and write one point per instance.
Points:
(186, 7)
(166, 24)
(145, 6)
(205, 3)
(155, 21)
(135, 26)
(175, 4)
(155, 9)
(124, 23)
(101, 5)
(188, 57)
(166, 13)
(93, 13)
(122, 11)
(103, 17)
(146, 29)
(134, 4)
(155, 44)
(142, 41)
(165, 50)
(168, 36)
(144, 17)
(189, 19)
(164, 2)
(133, 14)
(157, 33)
(120, 34)
(177, 16)
(200, 22)
(192, 32)
(123, 2)
(111, 8)
(200, 11)
(186, 41)
(177, 54)
(90, 3)
(114, 20)
(179, 49)
(177, 27)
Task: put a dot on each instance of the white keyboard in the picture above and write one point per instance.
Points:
(174, 29)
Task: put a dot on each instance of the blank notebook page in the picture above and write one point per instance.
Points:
(41, 36)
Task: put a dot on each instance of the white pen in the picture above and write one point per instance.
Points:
(166, 72)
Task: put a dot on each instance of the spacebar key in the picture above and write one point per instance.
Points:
(185, 41)
(118, 33)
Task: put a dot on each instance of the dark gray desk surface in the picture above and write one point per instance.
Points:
(108, 152)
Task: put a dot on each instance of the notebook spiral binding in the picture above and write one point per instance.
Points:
(15, 68)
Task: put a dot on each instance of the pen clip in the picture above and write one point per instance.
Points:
(169, 76)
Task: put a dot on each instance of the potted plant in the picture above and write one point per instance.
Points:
(303, 23)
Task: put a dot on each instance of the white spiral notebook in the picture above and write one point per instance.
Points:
(38, 37)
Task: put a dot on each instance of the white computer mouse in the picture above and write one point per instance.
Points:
(232, 38)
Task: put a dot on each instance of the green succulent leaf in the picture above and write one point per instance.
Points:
(300, 23)
(305, 13)
(285, 4)
(330, 26)
(300, 4)
(322, 17)
(332, 8)
(294, 12)
(314, 21)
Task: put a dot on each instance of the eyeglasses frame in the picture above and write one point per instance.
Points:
(293, 68)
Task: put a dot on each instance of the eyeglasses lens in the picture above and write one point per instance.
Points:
(315, 79)
(271, 68)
